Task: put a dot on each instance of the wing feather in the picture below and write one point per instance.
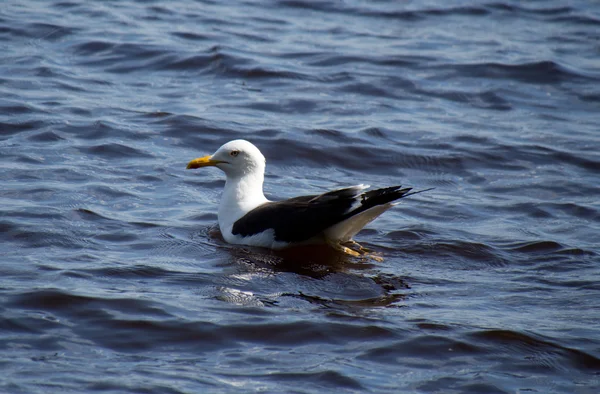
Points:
(301, 218)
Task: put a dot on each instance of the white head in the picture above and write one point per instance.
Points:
(236, 159)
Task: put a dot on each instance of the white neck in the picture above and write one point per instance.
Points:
(240, 196)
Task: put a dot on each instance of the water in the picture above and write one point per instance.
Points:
(115, 278)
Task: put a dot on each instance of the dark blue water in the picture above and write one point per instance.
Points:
(115, 278)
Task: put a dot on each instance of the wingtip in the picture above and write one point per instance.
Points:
(418, 191)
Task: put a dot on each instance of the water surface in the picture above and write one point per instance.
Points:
(114, 275)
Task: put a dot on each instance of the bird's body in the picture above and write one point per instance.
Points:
(247, 217)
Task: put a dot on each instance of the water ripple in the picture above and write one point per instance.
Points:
(116, 276)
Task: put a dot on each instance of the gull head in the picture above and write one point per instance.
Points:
(236, 159)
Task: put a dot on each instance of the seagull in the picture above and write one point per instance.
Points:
(247, 217)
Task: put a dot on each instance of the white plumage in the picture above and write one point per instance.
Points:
(247, 217)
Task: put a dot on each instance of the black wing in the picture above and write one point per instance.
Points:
(301, 218)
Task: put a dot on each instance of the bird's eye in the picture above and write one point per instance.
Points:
(234, 153)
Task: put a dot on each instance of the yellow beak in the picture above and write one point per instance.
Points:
(205, 161)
